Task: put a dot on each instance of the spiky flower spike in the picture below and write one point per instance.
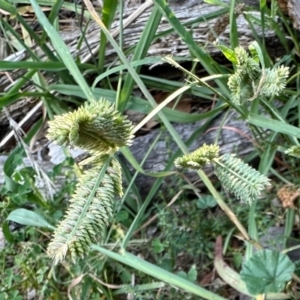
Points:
(199, 158)
(293, 151)
(249, 80)
(239, 178)
(98, 128)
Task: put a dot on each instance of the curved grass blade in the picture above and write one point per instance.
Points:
(152, 270)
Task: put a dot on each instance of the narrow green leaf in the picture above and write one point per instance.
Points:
(156, 272)
(8, 8)
(49, 52)
(48, 66)
(108, 14)
(19, 39)
(166, 122)
(234, 35)
(53, 15)
(62, 50)
(114, 70)
(262, 3)
(216, 2)
(16, 87)
(254, 53)
(66, 5)
(141, 287)
(276, 126)
(133, 162)
(255, 49)
(6, 231)
(140, 52)
(139, 104)
(206, 61)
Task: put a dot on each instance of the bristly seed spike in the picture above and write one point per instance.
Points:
(98, 128)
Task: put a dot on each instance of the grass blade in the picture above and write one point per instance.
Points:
(63, 51)
(108, 14)
(277, 126)
(234, 38)
(139, 53)
(152, 270)
(194, 48)
(13, 11)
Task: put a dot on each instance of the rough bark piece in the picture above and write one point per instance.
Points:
(294, 12)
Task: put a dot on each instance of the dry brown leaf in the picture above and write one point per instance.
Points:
(207, 278)
(287, 195)
(73, 283)
(292, 9)
(282, 4)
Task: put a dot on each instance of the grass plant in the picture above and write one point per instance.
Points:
(130, 262)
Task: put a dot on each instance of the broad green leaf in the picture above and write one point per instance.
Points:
(182, 274)
(27, 217)
(192, 274)
(206, 201)
(157, 245)
(266, 272)
(121, 216)
(297, 268)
